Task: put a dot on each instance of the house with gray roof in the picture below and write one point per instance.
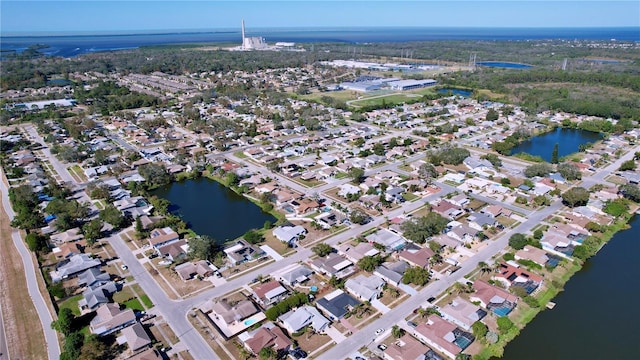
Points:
(73, 266)
(109, 318)
(289, 234)
(97, 295)
(479, 220)
(297, 319)
(392, 272)
(333, 265)
(462, 313)
(135, 336)
(337, 304)
(296, 275)
(365, 288)
(92, 276)
(390, 240)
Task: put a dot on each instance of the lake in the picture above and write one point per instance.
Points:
(596, 316)
(464, 93)
(211, 209)
(506, 65)
(568, 140)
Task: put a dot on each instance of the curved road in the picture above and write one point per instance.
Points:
(50, 335)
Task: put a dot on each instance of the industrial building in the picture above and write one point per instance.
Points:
(411, 84)
(367, 83)
(252, 43)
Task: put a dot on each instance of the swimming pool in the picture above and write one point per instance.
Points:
(249, 321)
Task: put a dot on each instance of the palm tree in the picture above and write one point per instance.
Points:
(423, 312)
(397, 331)
(484, 267)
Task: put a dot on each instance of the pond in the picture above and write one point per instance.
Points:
(211, 209)
(465, 93)
(506, 65)
(596, 316)
(568, 140)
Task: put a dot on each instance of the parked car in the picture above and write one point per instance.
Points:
(412, 324)
(382, 347)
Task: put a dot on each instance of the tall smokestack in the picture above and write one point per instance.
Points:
(242, 32)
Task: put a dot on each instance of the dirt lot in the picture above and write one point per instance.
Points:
(25, 339)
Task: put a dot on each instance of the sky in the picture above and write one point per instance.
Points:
(52, 16)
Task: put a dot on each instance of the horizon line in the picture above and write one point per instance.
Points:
(235, 29)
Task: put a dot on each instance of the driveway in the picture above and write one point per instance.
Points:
(274, 254)
(380, 306)
(335, 334)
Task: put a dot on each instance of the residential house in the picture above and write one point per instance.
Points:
(266, 336)
(163, 236)
(461, 232)
(68, 249)
(201, 268)
(390, 240)
(392, 272)
(394, 194)
(496, 210)
(365, 288)
(135, 336)
(357, 252)
(406, 348)
(462, 313)
(73, 266)
(229, 318)
(304, 206)
(443, 336)
(93, 276)
(296, 275)
(109, 318)
(296, 319)
(510, 275)
(289, 233)
(97, 294)
(534, 254)
(135, 206)
(333, 265)
(417, 257)
(493, 298)
(447, 209)
(70, 235)
(459, 200)
(480, 221)
(242, 251)
(347, 189)
(269, 293)
(173, 251)
(337, 304)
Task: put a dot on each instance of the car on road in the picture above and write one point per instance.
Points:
(431, 300)
(360, 358)
(379, 331)
(382, 347)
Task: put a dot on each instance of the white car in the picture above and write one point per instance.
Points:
(379, 331)
(124, 267)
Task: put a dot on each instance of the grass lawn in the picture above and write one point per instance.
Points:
(123, 295)
(134, 304)
(240, 154)
(77, 172)
(344, 95)
(71, 303)
(146, 301)
(410, 196)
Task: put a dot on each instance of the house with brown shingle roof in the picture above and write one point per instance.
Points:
(406, 348)
(443, 336)
(493, 298)
(532, 253)
(268, 335)
(418, 258)
(269, 293)
(163, 236)
(510, 275)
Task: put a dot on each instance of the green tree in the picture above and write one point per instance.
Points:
(479, 329)
(504, 324)
(554, 154)
(427, 172)
(518, 241)
(155, 175)
(356, 175)
(94, 349)
(65, 322)
(267, 353)
(358, 216)
(416, 275)
(397, 331)
(73, 343)
(628, 165)
(419, 230)
(112, 216)
(92, 231)
(577, 196)
(538, 234)
(322, 249)
(202, 247)
(370, 263)
(253, 236)
(616, 207)
(569, 171)
(492, 115)
(542, 169)
(630, 191)
(36, 242)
